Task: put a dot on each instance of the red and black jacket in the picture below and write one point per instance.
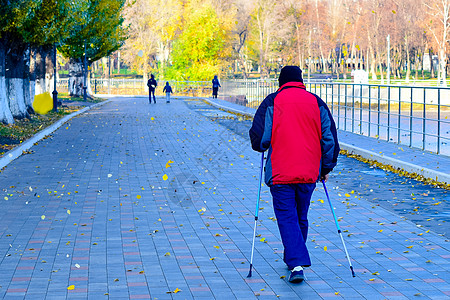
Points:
(298, 129)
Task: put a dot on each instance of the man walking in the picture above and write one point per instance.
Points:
(151, 83)
(297, 128)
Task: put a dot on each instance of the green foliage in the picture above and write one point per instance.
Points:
(15, 13)
(69, 23)
(101, 31)
(197, 50)
(53, 21)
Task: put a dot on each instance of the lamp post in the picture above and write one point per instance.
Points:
(55, 93)
(85, 74)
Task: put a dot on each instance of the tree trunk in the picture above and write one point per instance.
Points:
(431, 64)
(40, 70)
(408, 62)
(417, 64)
(15, 66)
(373, 68)
(309, 55)
(372, 57)
(5, 113)
(32, 75)
(366, 61)
(75, 77)
(88, 84)
(105, 67)
(442, 67)
(49, 71)
(95, 67)
(379, 59)
(118, 62)
(26, 81)
(297, 31)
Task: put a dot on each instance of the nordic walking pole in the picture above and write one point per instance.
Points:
(338, 228)
(256, 214)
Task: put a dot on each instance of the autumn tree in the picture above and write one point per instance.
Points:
(198, 49)
(151, 33)
(439, 29)
(97, 35)
(267, 26)
(57, 17)
(239, 38)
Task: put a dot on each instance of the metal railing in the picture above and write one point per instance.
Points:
(124, 86)
(407, 115)
(415, 116)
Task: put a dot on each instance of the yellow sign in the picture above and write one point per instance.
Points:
(43, 103)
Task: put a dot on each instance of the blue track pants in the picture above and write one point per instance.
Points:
(291, 204)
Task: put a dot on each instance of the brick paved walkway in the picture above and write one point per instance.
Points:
(139, 201)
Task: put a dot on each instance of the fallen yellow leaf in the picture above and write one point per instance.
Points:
(71, 287)
(168, 163)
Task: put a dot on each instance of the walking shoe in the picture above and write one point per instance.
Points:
(296, 275)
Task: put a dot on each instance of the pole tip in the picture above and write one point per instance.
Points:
(250, 272)
(353, 272)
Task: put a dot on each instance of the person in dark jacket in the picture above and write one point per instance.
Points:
(151, 83)
(297, 128)
(167, 89)
(216, 85)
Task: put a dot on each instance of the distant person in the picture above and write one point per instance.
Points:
(216, 85)
(151, 83)
(167, 89)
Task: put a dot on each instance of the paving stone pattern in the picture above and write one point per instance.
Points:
(154, 201)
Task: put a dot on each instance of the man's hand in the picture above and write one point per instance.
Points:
(324, 178)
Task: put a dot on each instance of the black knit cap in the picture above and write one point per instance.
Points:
(290, 73)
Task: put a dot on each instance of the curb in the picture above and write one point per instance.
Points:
(411, 168)
(119, 96)
(19, 150)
